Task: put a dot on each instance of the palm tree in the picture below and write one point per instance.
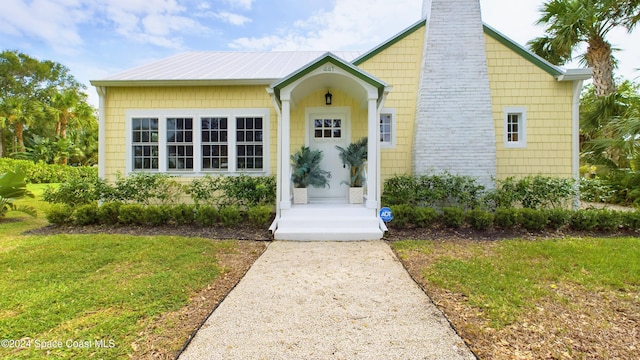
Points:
(70, 109)
(570, 23)
(20, 113)
(610, 127)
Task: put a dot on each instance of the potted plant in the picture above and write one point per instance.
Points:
(306, 172)
(355, 156)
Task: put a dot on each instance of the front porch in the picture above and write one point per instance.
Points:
(305, 118)
(323, 219)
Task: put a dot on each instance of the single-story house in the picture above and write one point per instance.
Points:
(447, 94)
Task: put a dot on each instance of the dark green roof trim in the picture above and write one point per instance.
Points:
(387, 44)
(524, 52)
(334, 60)
(504, 40)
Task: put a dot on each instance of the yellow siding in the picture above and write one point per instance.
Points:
(399, 66)
(514, 81)
(121, 99)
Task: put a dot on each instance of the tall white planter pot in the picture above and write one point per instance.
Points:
(356, 195)
(300, 196)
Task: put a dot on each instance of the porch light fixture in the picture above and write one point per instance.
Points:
(327, 98)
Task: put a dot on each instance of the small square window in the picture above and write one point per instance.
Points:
(515, 127)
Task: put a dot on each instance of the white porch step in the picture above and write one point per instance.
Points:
(325, 223)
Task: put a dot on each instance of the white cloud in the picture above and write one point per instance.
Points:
(41, 20)
(231, 18)
(345, 27)
(242, 4)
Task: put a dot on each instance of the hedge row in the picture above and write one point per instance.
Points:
(405, 216)
(117, 213)
(41, 173)
(161, 189)
(447, 190)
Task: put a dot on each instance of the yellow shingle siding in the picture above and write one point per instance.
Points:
(121, 99)
(516, 82)
(399, 66)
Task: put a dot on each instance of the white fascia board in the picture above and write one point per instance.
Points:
(152, 83)
(575, 74)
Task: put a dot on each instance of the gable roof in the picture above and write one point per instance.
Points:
(216, 67)
(265, 68)
(334, 60)
(553, 70)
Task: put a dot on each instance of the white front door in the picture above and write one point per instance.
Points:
(325, 132)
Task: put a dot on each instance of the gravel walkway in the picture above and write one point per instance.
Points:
(327, 300)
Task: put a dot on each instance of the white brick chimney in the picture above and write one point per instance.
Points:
(454, 129)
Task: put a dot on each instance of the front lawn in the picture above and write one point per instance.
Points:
(567, 298)
(104, 296)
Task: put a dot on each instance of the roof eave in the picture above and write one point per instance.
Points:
(203, 82)
(576, 74)
(335, 60)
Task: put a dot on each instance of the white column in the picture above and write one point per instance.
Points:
(373, 154)
(575, 138)
(102, 132)
(286, 153)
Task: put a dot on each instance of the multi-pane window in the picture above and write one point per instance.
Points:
(145, 143)
(385, 128)
(215, 147)
(515, 127)
(249, 146)
(180, 143)
(327, 128)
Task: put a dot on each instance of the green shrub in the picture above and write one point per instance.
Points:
(584, 220)
(108, 213)
(246, 191)
(424, 217)
(558, 218)
(86, 214)
(532, 219)
(436, 191)
(630, 220)
(506, 217)
(480, 219)
(608, 220)
(206, 190)
(157, 215)
(183, 214)
(206, 215)
(401, 215)
(243, 190)
(259, 215)
(453, 216)
(41, 173)
(146, 189)
(60, 214)
(399, 190)
(533, 192)
(132, 214)
(76, 191)
(230, 215)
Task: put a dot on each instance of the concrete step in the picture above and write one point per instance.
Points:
(328, 234)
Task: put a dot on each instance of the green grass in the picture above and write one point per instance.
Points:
(93, 287)
(509, 278)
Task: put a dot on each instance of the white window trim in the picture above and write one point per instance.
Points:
(196, 114)
(522, 127)
(391, 144)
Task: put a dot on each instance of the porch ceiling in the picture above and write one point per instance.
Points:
(330, 82)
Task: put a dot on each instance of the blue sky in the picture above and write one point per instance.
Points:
(96, 38)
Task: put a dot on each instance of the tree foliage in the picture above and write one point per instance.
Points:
(44, 114)
(571, 23)
(610, 127)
